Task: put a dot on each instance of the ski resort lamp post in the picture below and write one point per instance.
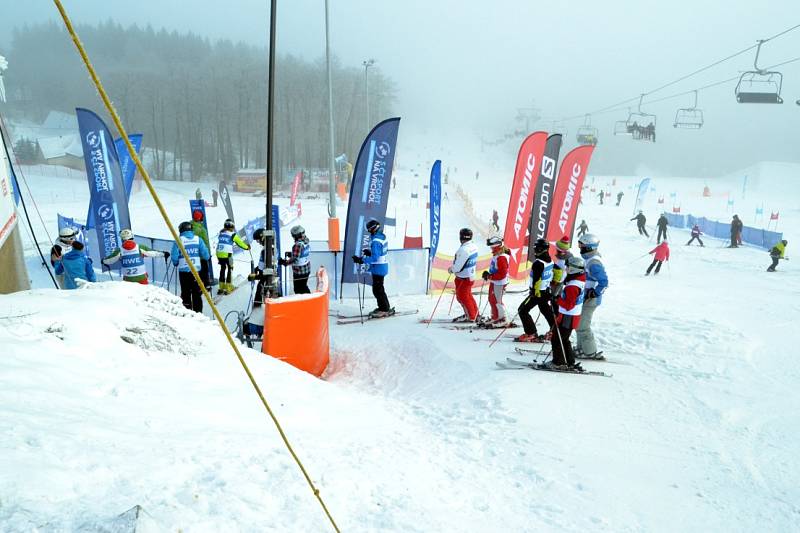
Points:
(333, 222)
(368, 63)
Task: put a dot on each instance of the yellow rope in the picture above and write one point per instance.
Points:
(176, 237)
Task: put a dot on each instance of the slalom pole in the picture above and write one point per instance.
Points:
(439, 300)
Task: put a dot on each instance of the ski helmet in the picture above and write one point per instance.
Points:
(564, 243)
(229, 224)
(185, 226)
(465, 234)
(588, 242)
(297, 232)
(67, 232)
(494, 242)
(575, 265)
(785, 242)
(373, 225)
(126, 235)
(540, 246)
(260, 235)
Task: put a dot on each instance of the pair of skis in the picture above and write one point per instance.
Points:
(514, 364)
(356, 319)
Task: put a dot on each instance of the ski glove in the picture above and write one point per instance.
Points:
(449, 270)
(366, 252)
(282, 262)
(166, 256)
(358, 260)
(485, 275)
(590, 293)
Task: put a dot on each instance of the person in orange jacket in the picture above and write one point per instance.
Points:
(661, 254)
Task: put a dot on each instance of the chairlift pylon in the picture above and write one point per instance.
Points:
(641, 125)
(587, 134)
(689, 117)
(759, 86)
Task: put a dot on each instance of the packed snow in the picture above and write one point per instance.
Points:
(114, 395)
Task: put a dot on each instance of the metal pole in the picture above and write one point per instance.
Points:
(270, 238)
(368, 63)
(331, 162)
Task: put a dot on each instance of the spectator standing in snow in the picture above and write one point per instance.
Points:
(641, 220)
(539, 296)
(74, 265)
(197, 250)
(497, 275)
(736, 232)
(596, 284)
(661, 254)
(777, 253)
(197, 194)
(214, 197)
(570, 304)
(583, 229)
(463, 268)
(695, 235)
(132, 256)
(662, 227)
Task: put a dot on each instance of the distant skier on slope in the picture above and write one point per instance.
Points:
(661, 254)
(596, 284)
(226, 239)
(495, 219)
(777, 253)
(74, 265)
(696, 235)
(497, 275)
(662, 224)
(570, 308)
(300, 260)
(641, 221)
(601, 196)
(463, 268)
(132, 256)
(196, 249)
(375, 259)
(583, 229)
(620, 194)
(539, 296)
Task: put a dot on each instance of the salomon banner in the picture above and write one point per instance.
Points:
(225, 196)
(529, 163)
(369, 193)
(435, 189)
(106, 187)
(127, 166)
(644, 186)
(543, 193)
(567, 194)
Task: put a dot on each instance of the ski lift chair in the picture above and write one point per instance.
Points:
(641, 125)
(759, 86)
(689, 117)
(587, 134)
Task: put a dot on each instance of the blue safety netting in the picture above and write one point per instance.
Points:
(722, 230)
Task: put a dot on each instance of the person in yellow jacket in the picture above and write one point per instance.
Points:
(225, 242)
(777, 253)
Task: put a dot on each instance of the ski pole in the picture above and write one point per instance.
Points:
(453, 299)
(438, 300)
(509, 324)
(358, 290)
(480, 297)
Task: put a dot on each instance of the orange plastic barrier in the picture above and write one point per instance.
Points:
(341, 190)
(334, 244)
(296, 328)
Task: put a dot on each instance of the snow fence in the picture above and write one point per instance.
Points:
(722, 230)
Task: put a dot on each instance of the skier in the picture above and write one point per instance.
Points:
(777, 253)
(736, 232)
(498, 274)
(375, 259)
(640, 224)
(583, 229)
(596, 284)
(62, 246)
(560, 266)
(661, 254)
(225, 241)
(601, 196)
(495, 219)
(540, 279)
(570, 308)
(696, 235)
(620, 194)
(662, 224)
(132, 256)
(464, 269)
(299, 259)
(199, 229)
(74, 265)
(197, 250)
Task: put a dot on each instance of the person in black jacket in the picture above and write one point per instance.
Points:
(662, 228)
(540, 295)
(736, 232)
(640, 224)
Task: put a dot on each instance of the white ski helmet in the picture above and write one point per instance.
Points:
(575, 265)
(126, 235)
(67, 232)
(588, 242)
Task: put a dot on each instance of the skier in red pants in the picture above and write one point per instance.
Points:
(464, 269)
(498, 277)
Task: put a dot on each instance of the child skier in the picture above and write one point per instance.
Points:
(540, 296)
(570, 307)
(299, 259)
(132, 256)
(199, 230)
(596, 284)
(583, 229)
(661, 254)
(498, 277)
(74, 265)
(695, 235)
(196, 249)
(225, 241)
(62, 246)
(375, 259)
(464, 269)
(777, 253)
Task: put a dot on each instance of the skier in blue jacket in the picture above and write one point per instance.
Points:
(596, 284)
(196, 248)
(75, 265)
(377, 265)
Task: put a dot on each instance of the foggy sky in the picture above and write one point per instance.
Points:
(465, 67)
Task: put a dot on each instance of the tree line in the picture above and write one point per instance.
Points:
(201, 105)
